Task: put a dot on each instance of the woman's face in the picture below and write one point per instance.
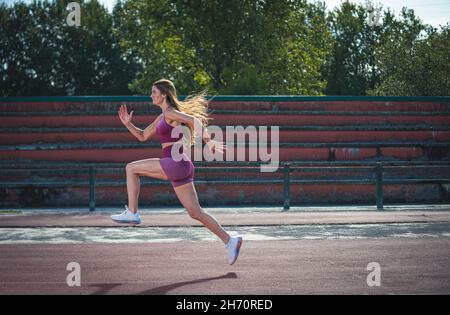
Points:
(157, 96)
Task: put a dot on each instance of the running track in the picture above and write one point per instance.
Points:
(418, 266)
(409, 265)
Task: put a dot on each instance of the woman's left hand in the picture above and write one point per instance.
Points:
(216, 146)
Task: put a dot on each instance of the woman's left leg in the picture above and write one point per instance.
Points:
(188, 197)
(148, 167)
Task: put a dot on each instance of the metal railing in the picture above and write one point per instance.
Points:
(375, 170)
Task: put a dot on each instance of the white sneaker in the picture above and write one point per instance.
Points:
(127, 217)
(233, 247)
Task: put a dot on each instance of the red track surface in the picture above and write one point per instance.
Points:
(408, 265)
(264, 267)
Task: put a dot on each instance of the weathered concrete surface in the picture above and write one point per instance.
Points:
(226, 218)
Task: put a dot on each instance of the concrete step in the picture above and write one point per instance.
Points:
(110, 152)
(275, 104)
(30, 167)
(117, 176)
(48, 185)
(211, 194)
(16, 136)
(238, 119)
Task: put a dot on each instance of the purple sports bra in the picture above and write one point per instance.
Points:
(164, 131)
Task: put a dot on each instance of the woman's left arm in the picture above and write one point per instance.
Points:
(189, 120)
(213, 145)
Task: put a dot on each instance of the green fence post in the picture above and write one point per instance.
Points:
(91, 188)
(379, 185)
(287, 182)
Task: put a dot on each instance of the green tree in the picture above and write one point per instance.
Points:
(41, 55)
(399, 57)
(350, 69)
(235, 46)
(14, 62)
(414, 59)
(306, 42)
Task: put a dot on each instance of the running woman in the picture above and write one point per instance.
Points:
(191, 113)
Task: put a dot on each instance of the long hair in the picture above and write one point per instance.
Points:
(195, 105)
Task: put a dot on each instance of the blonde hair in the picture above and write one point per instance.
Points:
(195, 105)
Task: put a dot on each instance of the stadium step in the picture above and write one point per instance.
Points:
(42, 133)
(230, 103)
(230, 119)
(305, 134)
(215, 194)
(113, 152)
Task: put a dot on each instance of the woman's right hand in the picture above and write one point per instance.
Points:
(125, 118)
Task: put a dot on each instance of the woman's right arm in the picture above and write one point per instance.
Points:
(141, 135)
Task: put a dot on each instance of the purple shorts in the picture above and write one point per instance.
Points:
(179, 173)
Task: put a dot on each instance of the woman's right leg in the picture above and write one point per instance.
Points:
(150, 168)
(188, 197)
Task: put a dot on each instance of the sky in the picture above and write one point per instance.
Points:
(434, 12)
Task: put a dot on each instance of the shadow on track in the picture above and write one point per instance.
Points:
(166, 288)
